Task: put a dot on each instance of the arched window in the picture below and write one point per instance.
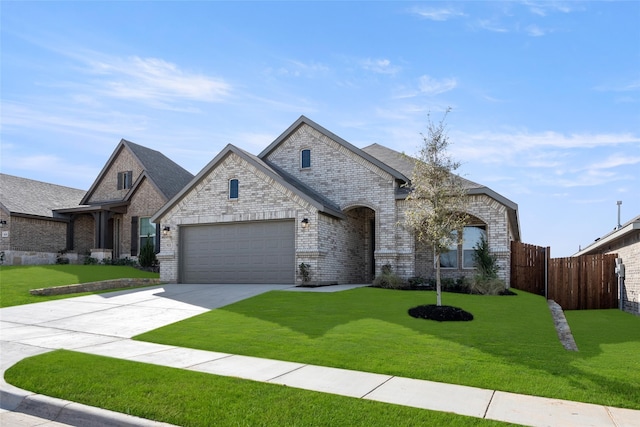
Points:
(305, 159)
(233, 189)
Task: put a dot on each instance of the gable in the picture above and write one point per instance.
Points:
(337, 170)
(105, 188)
(213, 181)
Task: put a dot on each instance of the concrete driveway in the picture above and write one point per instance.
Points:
(92, 320)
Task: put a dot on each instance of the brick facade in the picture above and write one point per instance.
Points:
(338, 250)
(628, 248)
(107, 188)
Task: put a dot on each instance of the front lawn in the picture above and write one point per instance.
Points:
(194, 399)
(510, 345)
(17, 281)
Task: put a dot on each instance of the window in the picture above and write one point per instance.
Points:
(147, 232)
(305, 159)
(233, 189)
(471, 236)
(449, 259)
(125, 180)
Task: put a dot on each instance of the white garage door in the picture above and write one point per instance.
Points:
(251, 252)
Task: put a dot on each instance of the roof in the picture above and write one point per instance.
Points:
(24, 196)
(398, 175)
(405, 165)
(166, 175)
(286, 180)
(617, 233)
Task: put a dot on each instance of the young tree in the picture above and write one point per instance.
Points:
(437, 201)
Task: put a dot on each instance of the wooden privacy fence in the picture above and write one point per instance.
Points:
(575, 283)
(528, 267)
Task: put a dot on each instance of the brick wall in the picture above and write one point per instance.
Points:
(83, 234)
(107, 188)
(350, 182)
(260, 198)
(145, 202)
(5, 239)
(628, 248)
(29, 234)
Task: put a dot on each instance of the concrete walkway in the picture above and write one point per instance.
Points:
(103, 325)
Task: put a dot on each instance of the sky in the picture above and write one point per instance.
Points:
(544, 96)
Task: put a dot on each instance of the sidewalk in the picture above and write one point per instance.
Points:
(72, 324)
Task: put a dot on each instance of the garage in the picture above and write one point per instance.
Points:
(248, 252)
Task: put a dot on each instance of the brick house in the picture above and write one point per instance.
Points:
(311, 197)
(111, 219)
(31, 232)
(134, 183)
(624, 241)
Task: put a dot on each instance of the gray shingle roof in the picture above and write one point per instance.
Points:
(30, 197)
(168, 177)
(403, 163)
(164, 172)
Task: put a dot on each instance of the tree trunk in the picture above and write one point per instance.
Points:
(438, 284)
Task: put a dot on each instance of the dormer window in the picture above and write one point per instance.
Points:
(233, 189)
(305, 159)
(125, 180)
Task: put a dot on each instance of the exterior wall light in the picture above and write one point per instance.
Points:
(166, 230)
(304, 223)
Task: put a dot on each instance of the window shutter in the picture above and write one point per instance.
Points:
(134, 236)
(119, 180)
(157, 238)
(129, 179)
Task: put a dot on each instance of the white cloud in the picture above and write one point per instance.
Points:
(381, 66)
(154, 80)
(441, 14)
(431, 86)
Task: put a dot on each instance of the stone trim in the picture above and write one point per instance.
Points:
(94, 286)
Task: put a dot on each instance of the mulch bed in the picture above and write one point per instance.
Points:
(442, 313)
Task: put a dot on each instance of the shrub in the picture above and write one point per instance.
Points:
(487, 286)
(486, 281)
(387, 279)
(147, 256)
(89, 260)
(305, 272)
(485, 261)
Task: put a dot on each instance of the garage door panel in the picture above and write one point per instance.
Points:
(252, 252)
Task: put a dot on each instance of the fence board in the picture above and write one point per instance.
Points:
(575, 283)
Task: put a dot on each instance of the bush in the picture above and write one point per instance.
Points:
(305, 272)
(147, 256)
(89, 260)
(487, 286)
(485, 261)
(387, 279)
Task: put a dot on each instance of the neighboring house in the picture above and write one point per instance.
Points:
(134, 183)
(111, 220)
(31, 232)
(625, 242)
(311, 197)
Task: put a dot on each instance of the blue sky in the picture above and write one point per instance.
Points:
(545, 96)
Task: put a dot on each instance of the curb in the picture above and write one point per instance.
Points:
(66, 412)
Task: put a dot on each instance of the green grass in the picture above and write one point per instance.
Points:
(511, 344)
(17, 281)
(189, 398)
